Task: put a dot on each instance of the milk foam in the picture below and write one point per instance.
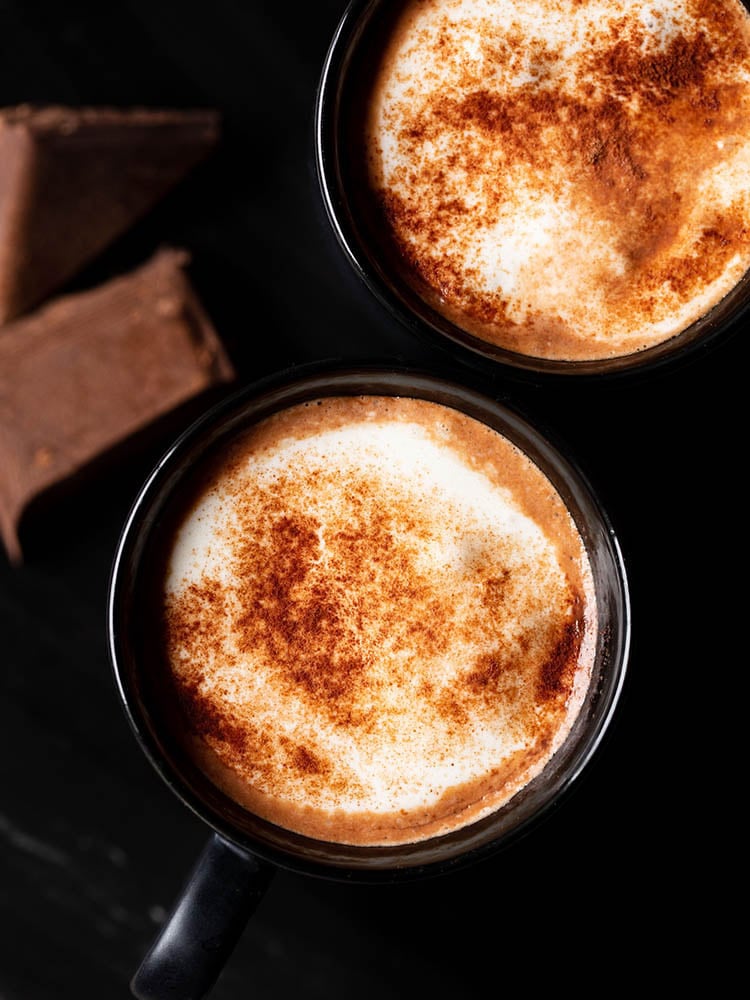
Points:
(379, 603)
(403, 462)
(536, 241)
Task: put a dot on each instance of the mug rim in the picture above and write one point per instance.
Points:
(302, 854)
(423, 322)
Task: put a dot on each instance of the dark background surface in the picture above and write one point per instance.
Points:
(625, 881)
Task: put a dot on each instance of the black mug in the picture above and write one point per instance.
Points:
(243, 850)
(339, 112)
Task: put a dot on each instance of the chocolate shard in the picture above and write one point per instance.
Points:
(90, 370)
(74, 179)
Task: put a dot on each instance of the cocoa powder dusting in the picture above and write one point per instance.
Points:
(556, 675)
(323, 626)
(622, 137)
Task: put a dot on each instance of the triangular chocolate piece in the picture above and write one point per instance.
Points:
(74, 179)
(90, 371)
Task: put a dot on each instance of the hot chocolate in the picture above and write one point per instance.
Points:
(378, 619)
(565, 180)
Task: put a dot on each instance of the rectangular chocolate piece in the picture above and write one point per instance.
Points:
(90, 370)
(72, 180)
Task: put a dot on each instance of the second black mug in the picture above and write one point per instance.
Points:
(244, 850)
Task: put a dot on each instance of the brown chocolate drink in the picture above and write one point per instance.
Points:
(564, 180)
(377, 619)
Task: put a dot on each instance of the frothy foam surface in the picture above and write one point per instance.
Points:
(379, 620)
(566, 179)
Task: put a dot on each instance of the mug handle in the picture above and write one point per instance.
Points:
(200, 933)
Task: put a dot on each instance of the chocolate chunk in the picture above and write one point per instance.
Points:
(91, 369)
(74, 179)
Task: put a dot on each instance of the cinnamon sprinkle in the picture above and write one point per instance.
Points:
(550, 175)
(335, 623)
